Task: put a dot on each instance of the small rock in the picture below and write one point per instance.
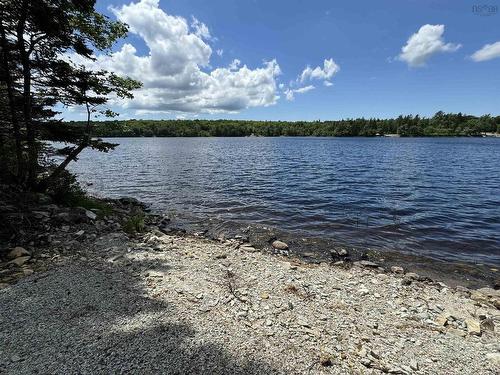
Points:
(375, 354)
(264, 295)
(487, 325)
(325, 360)
(20, 261)
(18, 252)
(339, 253)
(80, 233)
(473, 327)
(412, 276)
(303, 323)
(367, 263)
(494, 358)
(279, 245)
(221, 256)
(414, 365)
(91, 215)
(397, 269)
(363, 291)
(28, 271)
(396, 370)
(442, 320)
(15, 358)
(248, 248)
(366, 362)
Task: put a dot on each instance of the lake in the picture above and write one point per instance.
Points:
(436, 197)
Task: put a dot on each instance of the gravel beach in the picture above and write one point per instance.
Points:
(106, 303)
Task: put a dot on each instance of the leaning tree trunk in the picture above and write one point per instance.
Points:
(46, 183)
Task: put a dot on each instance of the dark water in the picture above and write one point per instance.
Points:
(437, 197)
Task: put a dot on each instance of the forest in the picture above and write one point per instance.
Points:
(441, 124)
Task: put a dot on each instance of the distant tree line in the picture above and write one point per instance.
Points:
(441, 124)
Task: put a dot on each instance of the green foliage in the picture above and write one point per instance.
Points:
(66, 191)
(36, 38)
(406, 126)
(134, 223)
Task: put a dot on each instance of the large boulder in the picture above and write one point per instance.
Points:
(18, 252)
(75, 216)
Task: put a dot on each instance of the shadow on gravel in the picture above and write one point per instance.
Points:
(79, 319)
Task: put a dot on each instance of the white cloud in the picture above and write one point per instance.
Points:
(427, 41)
(330, 68)
(325, 73)
(176, 74)
(200, 29)
(304, 89)
(235, 64)
(290, 93)
(220, 52)
(488, 52)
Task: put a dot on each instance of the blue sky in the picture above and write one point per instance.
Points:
(363, 39)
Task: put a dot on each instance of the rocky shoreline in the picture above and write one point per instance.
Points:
(78, 294)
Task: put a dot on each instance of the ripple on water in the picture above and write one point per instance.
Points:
(437, 197)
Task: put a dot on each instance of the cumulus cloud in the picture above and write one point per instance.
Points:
(488, 52)
(427, 41)
(176, 74)
(329, 69)
(290, 93)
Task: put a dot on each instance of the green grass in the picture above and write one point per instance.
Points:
(134, 224)
(78, 199)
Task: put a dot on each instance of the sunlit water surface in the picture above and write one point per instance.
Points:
(437, 197)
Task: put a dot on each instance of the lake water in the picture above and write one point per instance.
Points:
(437, 197)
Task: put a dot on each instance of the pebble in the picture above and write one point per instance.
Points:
(414, 365)
(363, 291)
(279, 245)
(473, 327)
(248, 248)
(91, 215)
(325, 360)
(342, 252)
(441, 320)
(397, 269)
(367, 263)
